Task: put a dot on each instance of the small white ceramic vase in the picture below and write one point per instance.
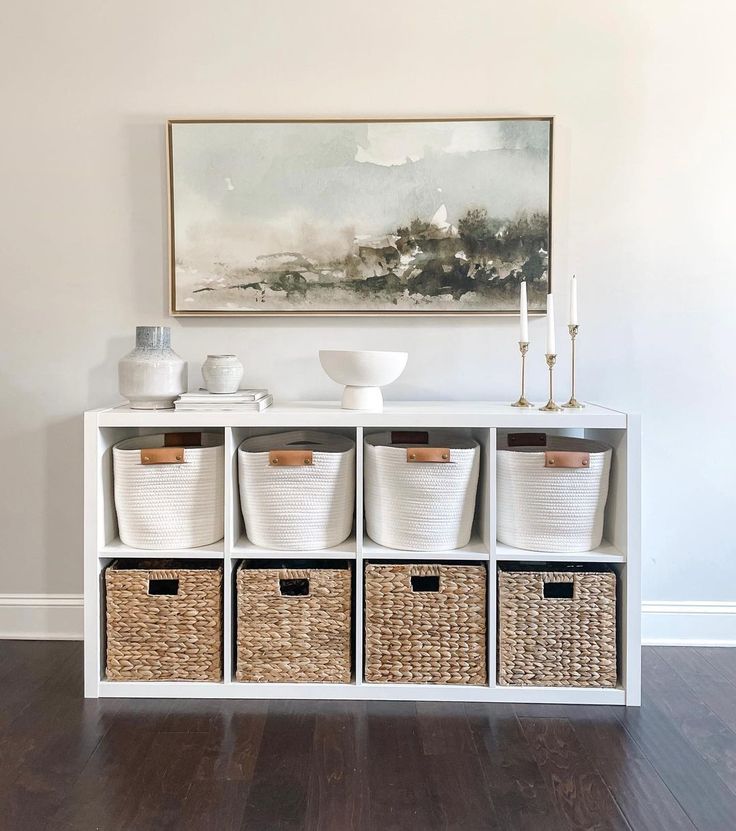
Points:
(222, 373)
(152, 376)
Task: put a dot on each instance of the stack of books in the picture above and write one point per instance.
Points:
(250, 400)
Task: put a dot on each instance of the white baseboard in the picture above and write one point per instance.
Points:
(688, 623)
(42, 617)
(664, 623)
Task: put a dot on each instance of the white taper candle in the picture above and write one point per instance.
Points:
(573, 301)
(551, 326)
(523, 316)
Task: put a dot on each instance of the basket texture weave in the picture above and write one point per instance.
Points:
(283, 636)
(425, 636)
(420, 506)
(298, 508)
(163, 637)
(163, 506)
(552, 509)
(557, 641)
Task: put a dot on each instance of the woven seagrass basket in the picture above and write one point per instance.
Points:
(425, 623)
(164, 620)
(557, 628)
(293, 624)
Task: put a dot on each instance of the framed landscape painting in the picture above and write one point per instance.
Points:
(410, 217)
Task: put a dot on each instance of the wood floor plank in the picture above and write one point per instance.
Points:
(460, 796)
(516, 787)
(579, 792)
(233, 743)
(47, 745)
(195, 716)
(338, 785)
(218, 794)
(700, 726)
(699, 790)
(443, 728)
(25, 667)
(723, 658)
(165, 778)
(456, 779)
(400, 789)
(224, 760)
(105, 794)
(702, 795)
(216, 805)
(707, 683)
(278, 794)
(641, 795)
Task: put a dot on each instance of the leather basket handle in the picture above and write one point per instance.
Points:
(162, 456)
(566, 458)
(290, 458)
(428, 454)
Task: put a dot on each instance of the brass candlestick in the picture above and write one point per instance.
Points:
(523, 348)
(550, 405)
(573, 403)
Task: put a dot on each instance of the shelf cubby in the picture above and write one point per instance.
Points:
(108, 540)
(619, 694)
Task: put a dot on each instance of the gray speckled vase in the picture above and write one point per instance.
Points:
(152, 376)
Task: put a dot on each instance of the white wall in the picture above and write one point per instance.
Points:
(643, 212)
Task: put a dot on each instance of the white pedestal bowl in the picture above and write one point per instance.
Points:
(363, 374)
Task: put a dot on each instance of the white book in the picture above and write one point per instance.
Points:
(226, 406)
(202, 396)
(217, 405)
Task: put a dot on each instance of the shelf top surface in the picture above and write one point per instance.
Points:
(394, 414)
(605, 553)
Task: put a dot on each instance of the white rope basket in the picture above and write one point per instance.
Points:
(297, 489)
(552, 496)
(169, 494)
(420, 489)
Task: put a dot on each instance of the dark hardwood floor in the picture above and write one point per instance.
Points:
(67, 763)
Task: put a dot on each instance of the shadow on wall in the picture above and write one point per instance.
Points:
(63, 503)
(102, 385)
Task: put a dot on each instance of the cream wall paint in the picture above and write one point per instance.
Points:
(643, 212)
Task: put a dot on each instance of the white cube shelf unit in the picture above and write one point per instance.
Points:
(484, 421)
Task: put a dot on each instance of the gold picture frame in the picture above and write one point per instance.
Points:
(176, 305)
